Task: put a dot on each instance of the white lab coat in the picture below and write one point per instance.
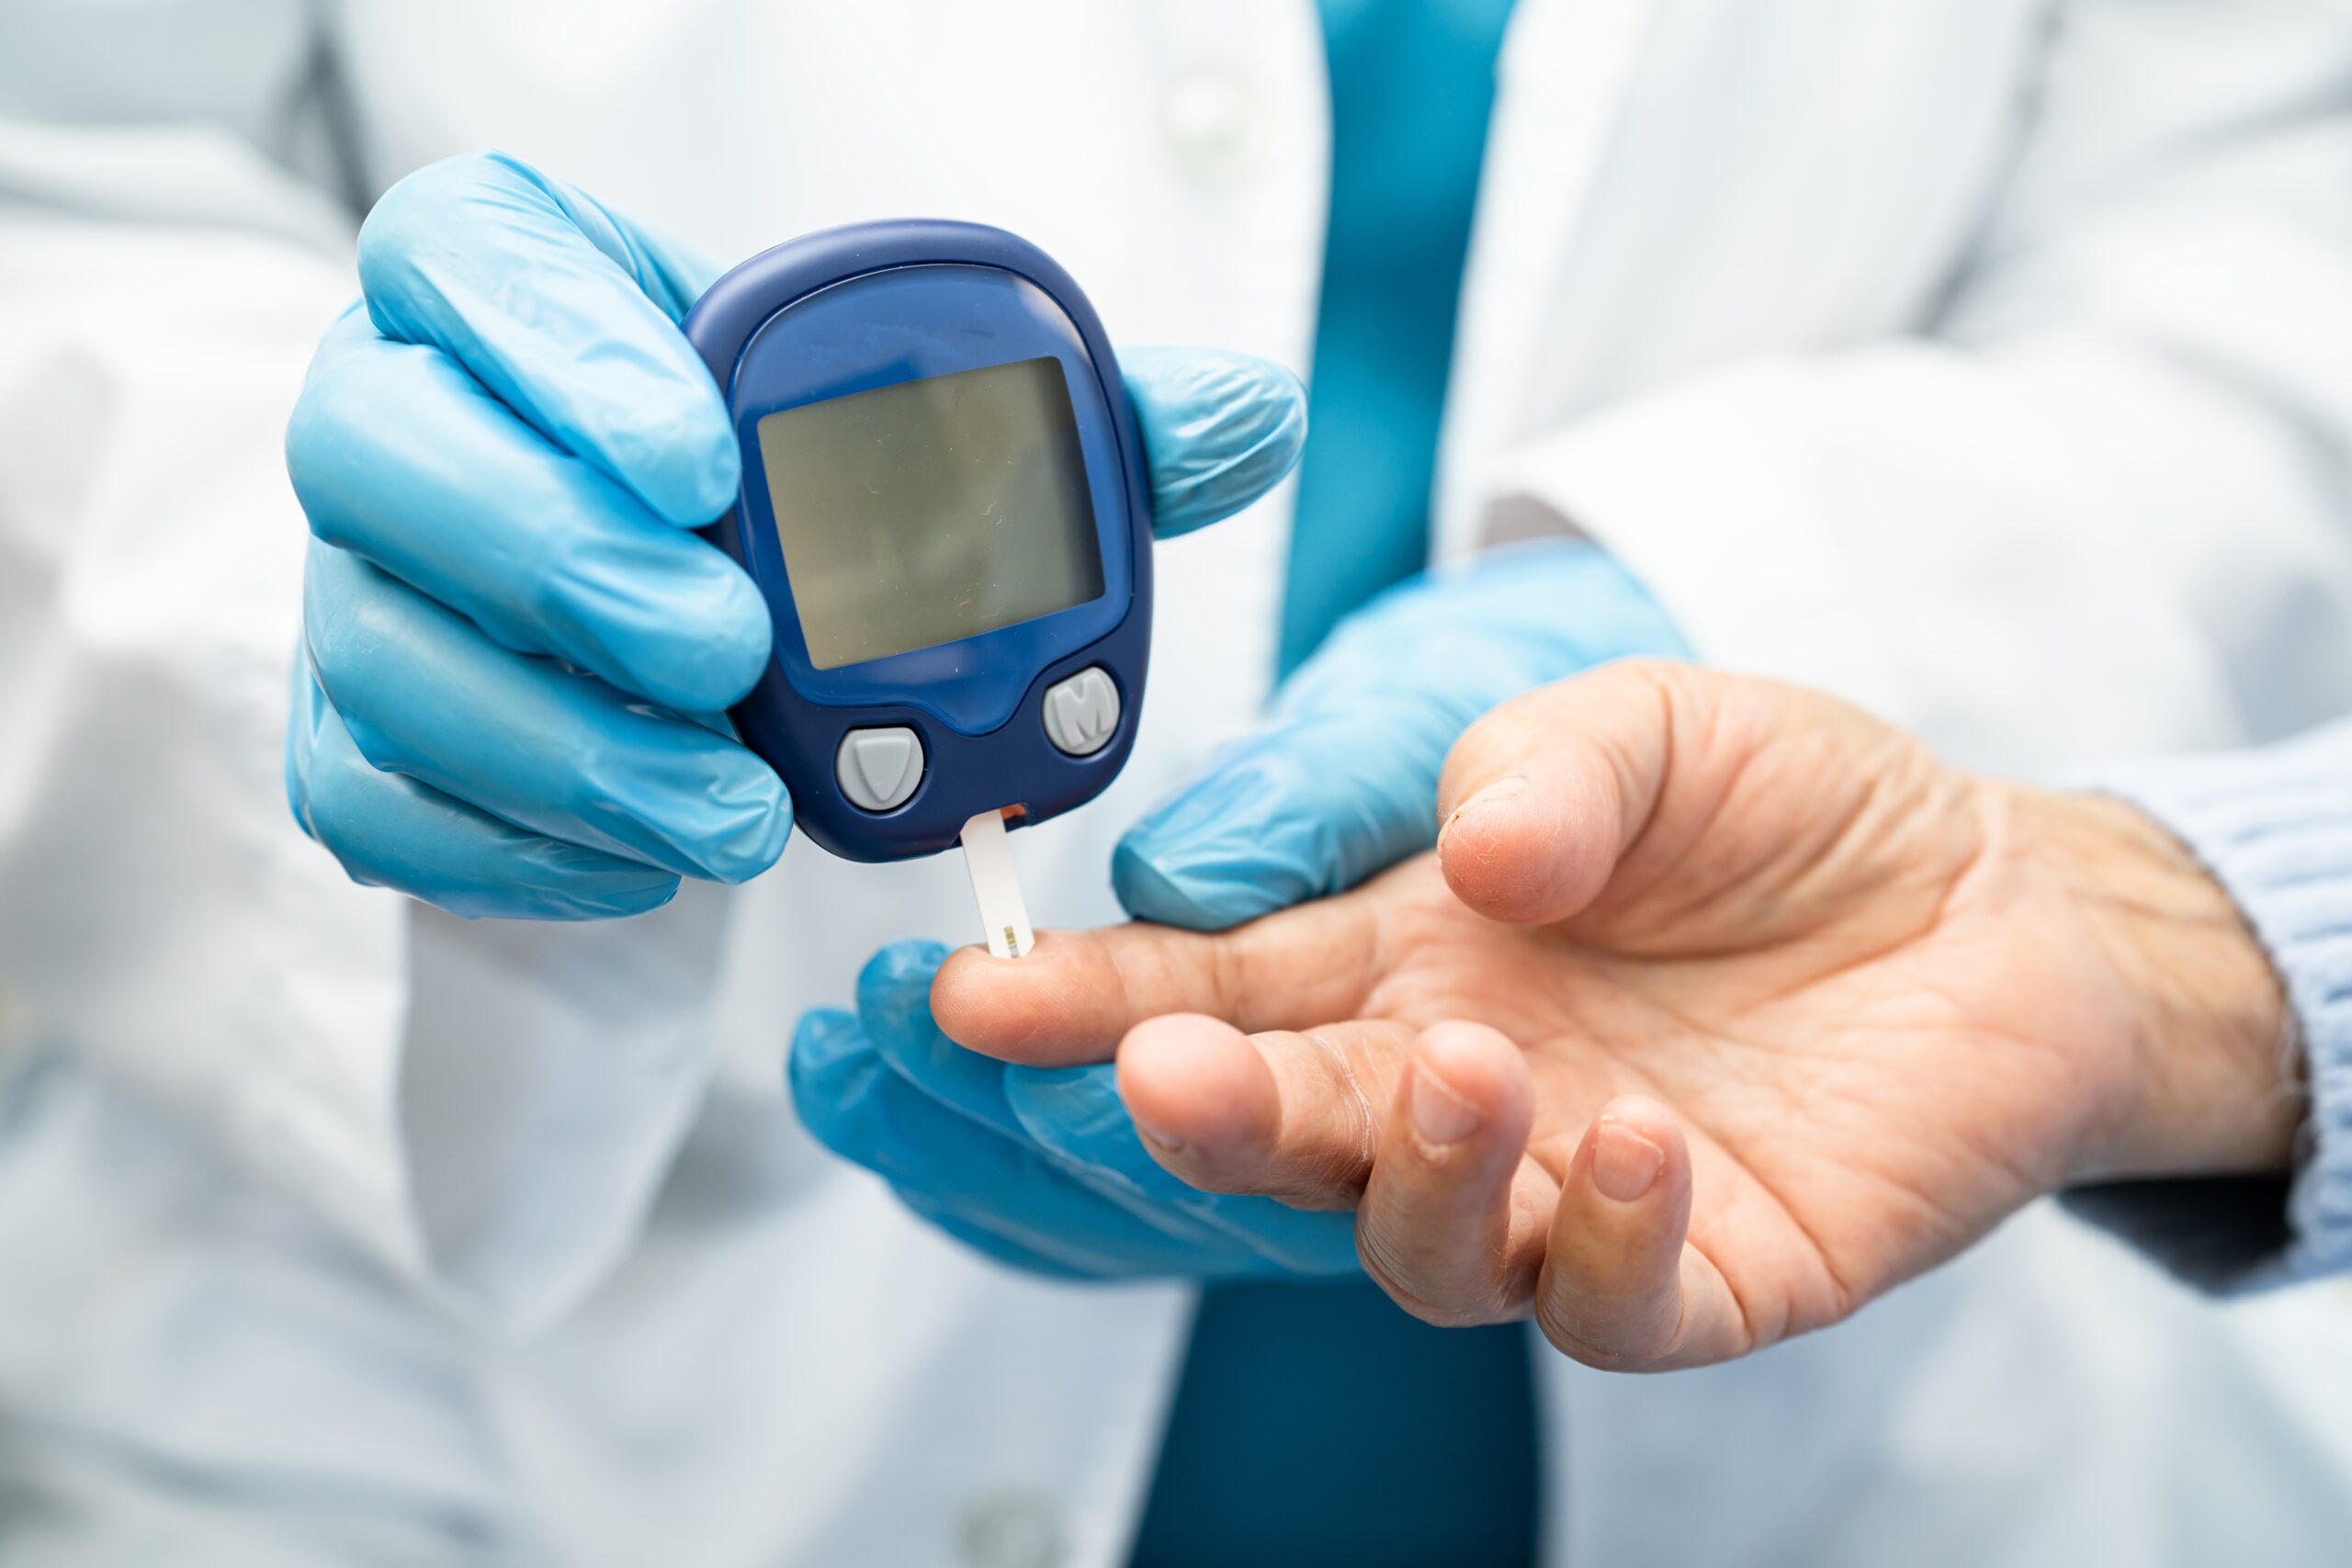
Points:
(1987, 360)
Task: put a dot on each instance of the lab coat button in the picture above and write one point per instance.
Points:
(878, 769)
(1210, 114)
(1082, 712)
(1012, 1528)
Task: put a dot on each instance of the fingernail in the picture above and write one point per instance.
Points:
(1625, 1164)
(1155, 1137)
(1495, 794)
(1440, 1116)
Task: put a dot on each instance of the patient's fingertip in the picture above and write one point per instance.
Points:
(1611, 1290)
(1626, 1161)
(1435, 1224)
(1635, 1153)
(1153, 1060)
(1529, 852)
(975, 996)
(1487, 812)
(1494, 850)
(1196, 1087)
(1068, 999)
(1469, 1079)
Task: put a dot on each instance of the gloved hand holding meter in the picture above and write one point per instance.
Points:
(943, 506)
(938, 482)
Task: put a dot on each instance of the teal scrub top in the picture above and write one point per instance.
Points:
(1317, 1422)
(1412, 83)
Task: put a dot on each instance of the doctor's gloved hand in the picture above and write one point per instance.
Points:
(1337, 782)
(1037, 1168)
(515, 646)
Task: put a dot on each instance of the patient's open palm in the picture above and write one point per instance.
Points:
(1720, 1009)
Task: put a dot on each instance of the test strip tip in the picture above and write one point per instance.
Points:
(1004, 915)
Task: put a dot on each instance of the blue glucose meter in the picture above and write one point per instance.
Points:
(943, 505)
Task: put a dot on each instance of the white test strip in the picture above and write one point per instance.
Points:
(989, 855)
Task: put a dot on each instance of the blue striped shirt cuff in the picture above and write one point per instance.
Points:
(2275, 827)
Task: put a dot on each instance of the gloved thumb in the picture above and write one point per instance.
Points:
(1295, 812)
(1342, 781)
(1219, 429)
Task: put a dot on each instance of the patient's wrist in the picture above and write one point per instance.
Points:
(2214, 1078)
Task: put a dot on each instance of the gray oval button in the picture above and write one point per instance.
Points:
(1082, 712)
(878, 769)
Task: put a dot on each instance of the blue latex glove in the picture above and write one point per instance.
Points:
(515, 649)
(1042, 1168)
(1037, 1168)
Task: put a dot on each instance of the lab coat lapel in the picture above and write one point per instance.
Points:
(1564, 70)
(1244, 120)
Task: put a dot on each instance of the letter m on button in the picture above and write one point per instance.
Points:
(1081, 712)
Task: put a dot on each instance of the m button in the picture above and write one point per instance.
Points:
(1082, 712)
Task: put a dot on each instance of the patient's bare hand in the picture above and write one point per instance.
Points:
(1720, 1010)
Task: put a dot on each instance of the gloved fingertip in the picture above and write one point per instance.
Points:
(828, 1050)
(622, 900)
(894, 989)
(752, 852)
(602, 898)
(694, 640)
(684, 461)
(741, 635)
(1150, 891)
(904, 964)
(1219, 429)
(1071, 1111)
(818, 1027)
(755, 825)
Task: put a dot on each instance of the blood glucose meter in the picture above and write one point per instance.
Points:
(943, 505)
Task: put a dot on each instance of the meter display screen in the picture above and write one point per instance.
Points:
(932, 511)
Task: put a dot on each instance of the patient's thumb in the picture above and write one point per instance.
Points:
(1542, 798)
